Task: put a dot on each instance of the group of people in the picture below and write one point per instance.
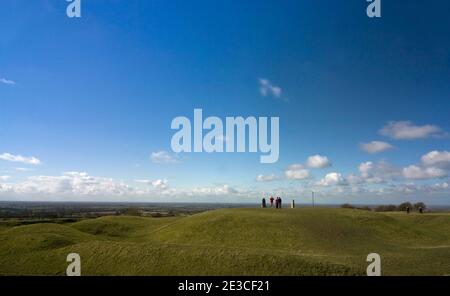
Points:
(271, 200)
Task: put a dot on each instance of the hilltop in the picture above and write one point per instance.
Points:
(303, 241)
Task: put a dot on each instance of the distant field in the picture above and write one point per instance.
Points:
(306, 241)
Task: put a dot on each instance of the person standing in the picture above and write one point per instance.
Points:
(271, 201)
(279, 202)
(263, 203)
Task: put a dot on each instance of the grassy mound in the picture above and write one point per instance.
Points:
(235, 242)
(121, 226)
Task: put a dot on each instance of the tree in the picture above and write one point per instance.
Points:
(347, 206)
(419, 205)
(403, 206)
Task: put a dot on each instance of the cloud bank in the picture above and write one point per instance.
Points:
(19, 158)
(406, 130)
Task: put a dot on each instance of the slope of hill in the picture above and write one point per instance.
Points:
(319, 241)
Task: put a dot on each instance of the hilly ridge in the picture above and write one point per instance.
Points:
(302, 241)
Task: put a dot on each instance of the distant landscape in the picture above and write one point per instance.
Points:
(219, 239)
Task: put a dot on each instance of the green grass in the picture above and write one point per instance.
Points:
(317, 241)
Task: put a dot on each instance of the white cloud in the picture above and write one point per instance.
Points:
(318, 162)
(297, 172)
(334, 188)
(441, 186)
(365, 169)
(419, 173)
(406, 130)
(70, 183)
(215, 190)
(437, 158)
(143, 181)
(354, 179)
(266, 88)
(6, 81)
(266, 178)
(378, 172)
(4, 178)
(163, 157)
(19, 158)
(82, 186)
(332, 179)
(160, 184)
(375, 147)
(423, 190)
(24, 169)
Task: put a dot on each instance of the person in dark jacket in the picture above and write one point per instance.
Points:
(263, 203)
(271, 201)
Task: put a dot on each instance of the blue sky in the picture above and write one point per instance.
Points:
(95, 97)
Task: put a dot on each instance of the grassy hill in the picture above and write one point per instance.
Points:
(305, 241)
